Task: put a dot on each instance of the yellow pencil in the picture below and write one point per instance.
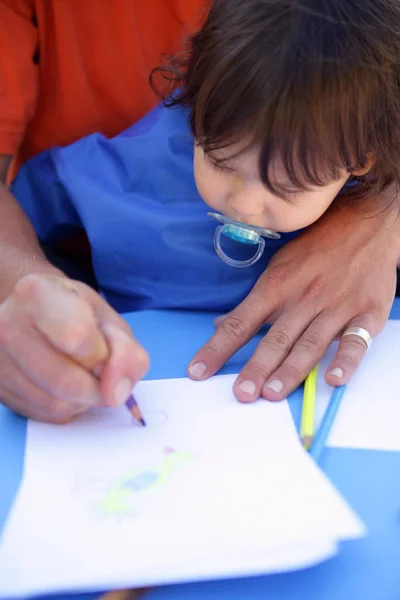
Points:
(307, 427)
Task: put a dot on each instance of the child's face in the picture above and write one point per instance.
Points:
(237, 192)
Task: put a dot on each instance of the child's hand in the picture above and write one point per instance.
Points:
(63, 350)
(341, 271)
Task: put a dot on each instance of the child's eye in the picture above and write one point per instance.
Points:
(290, 195)
(293, 193)
(217, 166)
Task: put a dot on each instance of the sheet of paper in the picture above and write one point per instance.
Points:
(369, 415)
(210, 488)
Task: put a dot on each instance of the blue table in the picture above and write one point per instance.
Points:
(365, 569)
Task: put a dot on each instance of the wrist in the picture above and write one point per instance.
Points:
(361, 222)
(20, 267)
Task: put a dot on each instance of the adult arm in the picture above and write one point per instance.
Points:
(19, 247)
(63, 349)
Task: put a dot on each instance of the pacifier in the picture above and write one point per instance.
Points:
(245, 234)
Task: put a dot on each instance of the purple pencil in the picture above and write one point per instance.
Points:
(134, 409)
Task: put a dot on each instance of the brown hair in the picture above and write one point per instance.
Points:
(314, 82)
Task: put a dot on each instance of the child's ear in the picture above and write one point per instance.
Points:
(364, 170)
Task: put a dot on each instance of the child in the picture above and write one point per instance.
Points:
(289, 107)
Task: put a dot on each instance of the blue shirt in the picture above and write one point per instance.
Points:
(135, 196)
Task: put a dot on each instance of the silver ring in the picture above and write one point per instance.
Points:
(360, 332)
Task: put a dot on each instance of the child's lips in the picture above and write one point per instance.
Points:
(251, 221)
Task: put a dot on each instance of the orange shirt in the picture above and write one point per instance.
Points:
(72, 67)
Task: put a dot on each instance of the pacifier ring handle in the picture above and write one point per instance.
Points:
(231, 261)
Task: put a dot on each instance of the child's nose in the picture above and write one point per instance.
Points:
(245, 201)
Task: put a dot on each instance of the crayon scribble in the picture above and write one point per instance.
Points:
(117, 498)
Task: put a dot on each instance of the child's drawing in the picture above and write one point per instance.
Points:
(117, 498)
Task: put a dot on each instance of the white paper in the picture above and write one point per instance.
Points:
(105, 504)
(369, 414)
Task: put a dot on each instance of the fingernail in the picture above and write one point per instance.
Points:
(122, 391)
(198, 369)
(337, 372)
(276, 385)
(248, 387)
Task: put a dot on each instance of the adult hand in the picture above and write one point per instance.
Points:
(63, 350)
(339, 272)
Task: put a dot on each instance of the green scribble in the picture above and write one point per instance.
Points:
(118, 498)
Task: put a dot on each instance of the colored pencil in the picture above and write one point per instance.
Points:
(134, 409)
(327, 422)
(307, 427)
